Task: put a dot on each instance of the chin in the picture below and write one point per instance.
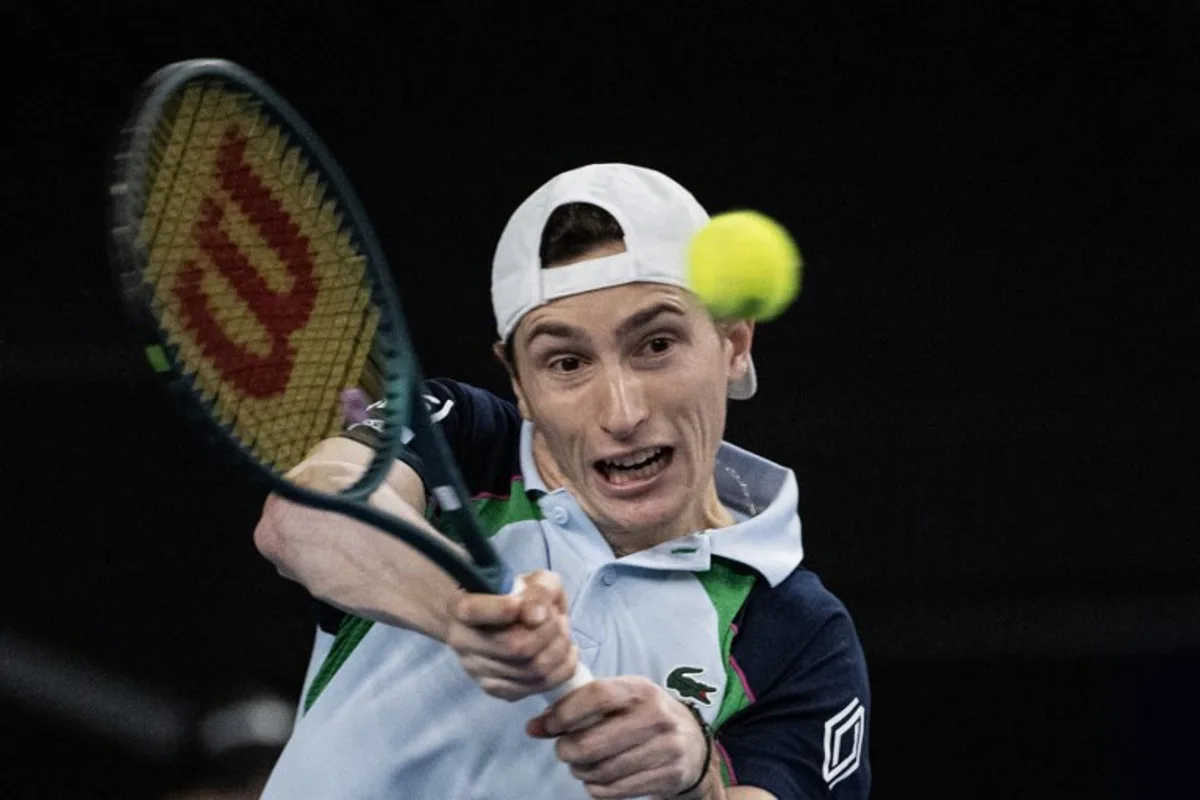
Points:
(645, 515)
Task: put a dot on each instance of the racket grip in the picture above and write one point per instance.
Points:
(582, 675)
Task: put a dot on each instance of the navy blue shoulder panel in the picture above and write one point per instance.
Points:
(804, 734)
(482, 430)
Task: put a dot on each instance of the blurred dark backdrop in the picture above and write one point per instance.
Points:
(988, 388)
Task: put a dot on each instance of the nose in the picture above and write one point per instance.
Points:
(623, 404)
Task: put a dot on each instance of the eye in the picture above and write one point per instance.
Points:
(659, 345)
(566, 364)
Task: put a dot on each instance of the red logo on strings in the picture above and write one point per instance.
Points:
(280, 313)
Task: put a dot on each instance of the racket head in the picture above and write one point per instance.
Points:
(262, 295)
(255, 280)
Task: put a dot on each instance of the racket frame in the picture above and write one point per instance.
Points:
(401, 389)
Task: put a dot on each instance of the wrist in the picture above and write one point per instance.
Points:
(703, 787)
(709, 788)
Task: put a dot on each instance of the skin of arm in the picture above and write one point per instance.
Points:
(350, 565)
(512, 645)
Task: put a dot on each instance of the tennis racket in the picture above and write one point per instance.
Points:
(262, 295)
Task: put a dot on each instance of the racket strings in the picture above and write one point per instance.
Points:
(255, 279)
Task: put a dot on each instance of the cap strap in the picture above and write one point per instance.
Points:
(586, 276)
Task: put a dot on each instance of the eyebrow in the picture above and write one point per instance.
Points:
(639, 319)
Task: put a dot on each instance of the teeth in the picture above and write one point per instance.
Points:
(634, 467)
(634, 458)
(619, 477)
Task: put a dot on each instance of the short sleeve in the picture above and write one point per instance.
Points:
(805, 734)
(481, 430)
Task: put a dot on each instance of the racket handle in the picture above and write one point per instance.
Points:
(582, 675)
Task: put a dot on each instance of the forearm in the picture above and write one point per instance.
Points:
(348, 564)
(714, 788)
(360, 570)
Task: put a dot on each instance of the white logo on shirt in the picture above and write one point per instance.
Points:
(431, 403)
(406, 435)
(844, 733)
(374, 424)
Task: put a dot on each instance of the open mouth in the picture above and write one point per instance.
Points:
(638, 466)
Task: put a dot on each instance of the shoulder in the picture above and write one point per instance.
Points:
(468, 408)
(803, 731)
(482, 429)
(801, 600)
(785, 631)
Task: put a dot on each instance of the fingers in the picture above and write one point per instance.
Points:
(601, 698)
(510, 682)
(515, 645)
(544, 588)
(541, 594)
(539, 651)
(615, 733)
(486, 610)
(624, 737)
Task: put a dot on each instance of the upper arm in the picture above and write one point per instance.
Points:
(805, 733)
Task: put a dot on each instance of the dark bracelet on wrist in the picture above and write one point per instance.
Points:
(708, 746)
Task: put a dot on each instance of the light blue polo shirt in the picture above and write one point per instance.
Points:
(726, 620)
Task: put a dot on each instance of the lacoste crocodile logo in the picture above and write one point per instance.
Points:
(687, 687)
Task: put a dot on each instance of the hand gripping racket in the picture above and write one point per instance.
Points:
(262, 294)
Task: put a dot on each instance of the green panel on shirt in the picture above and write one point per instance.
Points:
(728, 585)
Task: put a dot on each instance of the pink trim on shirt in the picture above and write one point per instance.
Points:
(742, 677)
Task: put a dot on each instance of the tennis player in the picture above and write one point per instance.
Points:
(724, 668)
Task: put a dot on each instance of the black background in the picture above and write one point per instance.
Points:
(987, 389)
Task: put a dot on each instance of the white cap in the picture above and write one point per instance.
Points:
(658, 216)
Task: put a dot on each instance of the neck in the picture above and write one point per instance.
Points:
(709, 512)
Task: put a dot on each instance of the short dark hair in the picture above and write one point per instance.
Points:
(575, 228)
(572, 230)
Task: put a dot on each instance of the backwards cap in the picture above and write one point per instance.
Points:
(658, 216)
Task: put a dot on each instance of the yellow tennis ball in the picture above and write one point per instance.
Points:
(744, 265)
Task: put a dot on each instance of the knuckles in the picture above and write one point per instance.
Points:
(602, 694)
(544, 580)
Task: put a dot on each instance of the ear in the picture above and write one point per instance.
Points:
(514, 378)
(739, 336)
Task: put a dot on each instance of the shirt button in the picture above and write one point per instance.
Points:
(560, 515)
(607, 577)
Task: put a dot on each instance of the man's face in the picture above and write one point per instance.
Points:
(627, 387)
